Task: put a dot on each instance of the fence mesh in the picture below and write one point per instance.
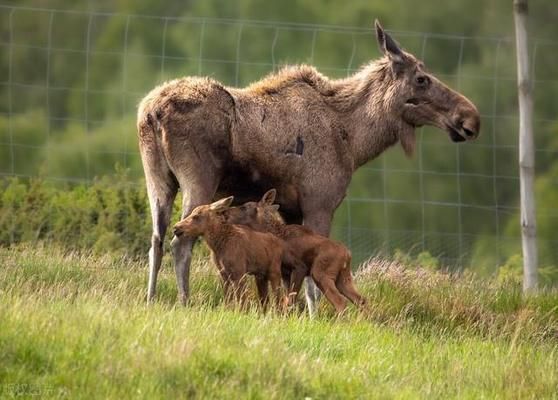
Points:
(450, 200)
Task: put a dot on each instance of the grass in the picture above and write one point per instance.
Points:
(76, 326)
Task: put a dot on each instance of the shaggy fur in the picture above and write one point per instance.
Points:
(296, 130)
(327, 262)
(237, 251)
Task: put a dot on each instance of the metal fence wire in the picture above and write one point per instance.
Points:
(450, 200)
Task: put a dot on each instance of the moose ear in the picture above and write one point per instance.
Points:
(275, 207)
(269, 197)
(388, 46)
(222, 204)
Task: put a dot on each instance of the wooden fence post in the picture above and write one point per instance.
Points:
(526, 149)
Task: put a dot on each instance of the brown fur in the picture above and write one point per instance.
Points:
(237, 251)
(295, 130)
(328, 262)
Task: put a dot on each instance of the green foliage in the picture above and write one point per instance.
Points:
(403, 257)
(111, 214)
(428, 261)
(422, 260)
(512, 271)
(28, 132)
(546, 194)
(76, 80)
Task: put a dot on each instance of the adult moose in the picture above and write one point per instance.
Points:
(295, 130)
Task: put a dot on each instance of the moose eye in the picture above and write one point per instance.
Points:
(422, 80)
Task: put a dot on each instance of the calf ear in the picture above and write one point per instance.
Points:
(275, 207)
(222, 204)
(388, 46)
(269, 197)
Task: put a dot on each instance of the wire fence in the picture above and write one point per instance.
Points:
(450, 200)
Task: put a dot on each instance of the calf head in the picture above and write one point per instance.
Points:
(254, 213)
(202, 218)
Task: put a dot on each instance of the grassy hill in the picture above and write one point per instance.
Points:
(76, 326)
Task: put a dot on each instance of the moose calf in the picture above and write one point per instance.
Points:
(327, 262)
(238, 251)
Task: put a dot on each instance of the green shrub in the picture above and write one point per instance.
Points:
(428, 261)
(512, 271)
(423, 260)
(111, 214)
(402, 257)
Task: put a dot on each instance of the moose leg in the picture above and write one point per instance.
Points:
(182, 246)
(320, 222)
(161, 191)
(182, 254)
(161, 216)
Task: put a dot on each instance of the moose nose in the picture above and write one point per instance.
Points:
(470, 132)
(469, 122)
(177, 232)
(471, 127)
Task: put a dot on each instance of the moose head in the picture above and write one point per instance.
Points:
(421, 98)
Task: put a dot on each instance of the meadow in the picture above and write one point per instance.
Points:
(76, 325)
(75, 222)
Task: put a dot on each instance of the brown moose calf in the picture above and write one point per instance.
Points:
(237, 251)
(327, 262)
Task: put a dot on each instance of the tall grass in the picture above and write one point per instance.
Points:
(77, 326)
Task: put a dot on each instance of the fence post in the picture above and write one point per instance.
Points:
(526, 149)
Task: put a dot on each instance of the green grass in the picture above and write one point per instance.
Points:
(77, 326)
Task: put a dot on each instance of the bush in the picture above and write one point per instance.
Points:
(512, 272)
(423, 260)
(111, 214)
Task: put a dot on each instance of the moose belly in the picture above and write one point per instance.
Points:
(249, 184)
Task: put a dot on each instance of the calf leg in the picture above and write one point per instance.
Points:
(274, 277)
(240, 290)
(280, 300)
(347, 287)
(227, 288)
(327, 286)
(286, 276)
(263, 287)
(234, 287)
(325, 271)
(293, 272)
(297, 277)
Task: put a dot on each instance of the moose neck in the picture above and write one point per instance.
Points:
(273, 224)
(217, 233)
(366, 101)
